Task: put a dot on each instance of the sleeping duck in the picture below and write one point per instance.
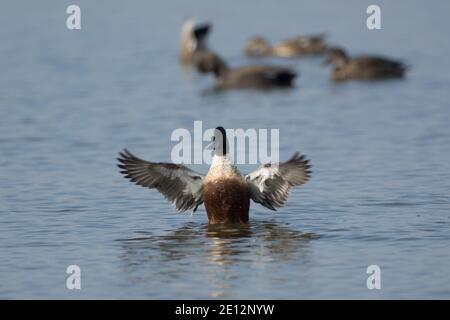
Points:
(363, 67)
(294, 47)
(224, 191)
(192, 40)
(253, 76)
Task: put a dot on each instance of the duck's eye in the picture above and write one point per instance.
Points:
(213, 138)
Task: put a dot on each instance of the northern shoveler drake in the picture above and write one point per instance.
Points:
(253, 76)
(258, 46)
(224, 191)
(363, 67)
(192, 40)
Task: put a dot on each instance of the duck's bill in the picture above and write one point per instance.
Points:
(210, 146)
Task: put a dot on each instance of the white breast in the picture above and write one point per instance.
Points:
(221, 167)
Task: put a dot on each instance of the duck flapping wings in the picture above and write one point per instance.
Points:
(179, 184)
(271, 183)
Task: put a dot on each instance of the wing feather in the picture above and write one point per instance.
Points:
(271, 183)
(179, 184)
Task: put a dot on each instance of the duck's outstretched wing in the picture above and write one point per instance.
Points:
(271, 183)
(179, 184)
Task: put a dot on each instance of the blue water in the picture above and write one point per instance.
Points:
(70, 100)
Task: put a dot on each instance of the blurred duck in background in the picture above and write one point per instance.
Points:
(363, 67)
(193, 40)
(294, 47)
(253, 76)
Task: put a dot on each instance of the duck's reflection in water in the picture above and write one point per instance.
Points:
(257, 242)
(220, 253)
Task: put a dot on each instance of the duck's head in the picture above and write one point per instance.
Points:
(337, 56)
(201, 31)
(194, 35)
(219, 142)
(207, 61)
(257, 47)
